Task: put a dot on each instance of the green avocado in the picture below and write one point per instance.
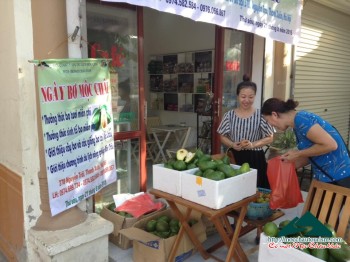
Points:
(164, 234)
(228, 170)
(244, 168)
(174, 222)
(179, 165)
(342, 253)
(151, 225)
(162, 226)
(204, 165)
(208, 172)
(174, 229)
(121, 213)
(191, 166)
(111, 207)
(167, 165)
(199, 153)
(321, 253)
(164, 218)
(198, 173)
(218, 161)
(204, 157)
(226, 159)
(216, 175)
(305, 250)
(171, 161)
(128, 215)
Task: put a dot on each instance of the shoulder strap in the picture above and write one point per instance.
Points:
(342, 140)
(321, 169)
(314, 163)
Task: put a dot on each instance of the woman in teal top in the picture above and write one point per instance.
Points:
(319, 143)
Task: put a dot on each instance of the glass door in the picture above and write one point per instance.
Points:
(233, 60)
(113, 32)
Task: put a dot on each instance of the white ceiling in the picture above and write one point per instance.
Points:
(339, 5)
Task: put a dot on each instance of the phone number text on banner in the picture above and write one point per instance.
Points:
(275, 19)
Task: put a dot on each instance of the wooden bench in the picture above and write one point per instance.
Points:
(330, 204)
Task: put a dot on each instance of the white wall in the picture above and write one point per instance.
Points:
(19, 139)
(258, 68)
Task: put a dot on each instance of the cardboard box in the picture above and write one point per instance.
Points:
(218, 194)
(151, 248)
(167, 180)
(267, 253)
(121, 222)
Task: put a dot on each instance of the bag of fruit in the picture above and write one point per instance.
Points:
(284, 183)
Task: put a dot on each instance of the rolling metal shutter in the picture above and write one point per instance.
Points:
(322, 66)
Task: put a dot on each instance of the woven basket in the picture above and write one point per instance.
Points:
(259, 211)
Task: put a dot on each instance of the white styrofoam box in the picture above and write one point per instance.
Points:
(218, 194)
(167, 180)
(278, 254)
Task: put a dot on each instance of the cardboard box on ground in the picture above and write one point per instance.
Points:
(121, 222)
(148, 247)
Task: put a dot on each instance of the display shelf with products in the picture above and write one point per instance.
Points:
(177, 81)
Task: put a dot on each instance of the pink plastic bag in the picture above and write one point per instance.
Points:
(140, 205)
(284, 183)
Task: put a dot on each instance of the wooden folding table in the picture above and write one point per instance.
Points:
(219, 219)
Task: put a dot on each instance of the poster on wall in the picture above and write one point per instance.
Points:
(275, 19)
(77, 124)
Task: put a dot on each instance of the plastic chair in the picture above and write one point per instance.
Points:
(330, 204)
(171, 151)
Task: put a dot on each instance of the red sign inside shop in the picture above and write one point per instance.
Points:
(233, 65)
(117, 53)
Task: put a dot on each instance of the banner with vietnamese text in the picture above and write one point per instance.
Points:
(275, 19)
(76, 116)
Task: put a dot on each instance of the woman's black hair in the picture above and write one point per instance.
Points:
(278, 106)
(246, 83)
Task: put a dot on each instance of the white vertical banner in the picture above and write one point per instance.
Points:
(76, 115)
(276, 19)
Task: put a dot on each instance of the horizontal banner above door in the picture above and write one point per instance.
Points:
(275, 19)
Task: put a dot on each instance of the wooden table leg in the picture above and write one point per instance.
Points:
(219, 224)
(185, 228)
(235, 249)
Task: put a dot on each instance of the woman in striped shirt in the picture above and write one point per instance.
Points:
(245, 132)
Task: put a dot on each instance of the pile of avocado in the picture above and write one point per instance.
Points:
(330, 252)
(341, 254)
(215, 169)
(165, 226)
(111, 207)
